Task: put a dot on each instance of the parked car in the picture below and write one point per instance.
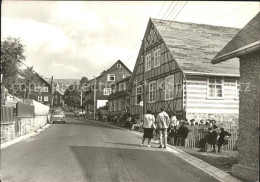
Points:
(58, 116)
(78, 113)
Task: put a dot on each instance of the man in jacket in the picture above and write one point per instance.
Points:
(163, 122)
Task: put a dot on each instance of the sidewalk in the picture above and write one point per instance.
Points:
(202, 160)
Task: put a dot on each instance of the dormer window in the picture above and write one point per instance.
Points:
(111, 77)
(118, 65)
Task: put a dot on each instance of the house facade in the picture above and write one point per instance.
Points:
(119, 100)
(58, 98)
(173, 71)
(246, 46)
(103, 85)
(42, 91)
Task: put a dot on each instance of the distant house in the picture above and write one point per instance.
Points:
(103, 83)
(246, 46)
(58, 98)
(42, 91)
(119, 100)
(174, 71)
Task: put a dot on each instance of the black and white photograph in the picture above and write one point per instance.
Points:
(130, 91)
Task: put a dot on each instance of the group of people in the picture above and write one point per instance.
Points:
(162, 124)
(171, 129)
(214, 137)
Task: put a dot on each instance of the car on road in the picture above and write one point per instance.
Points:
(79, 113)
(58, 116)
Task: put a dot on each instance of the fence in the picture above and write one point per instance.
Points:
(6, 114)
(199, 132)
(24, 110)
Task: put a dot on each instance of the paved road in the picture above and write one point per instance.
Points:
(84, 150)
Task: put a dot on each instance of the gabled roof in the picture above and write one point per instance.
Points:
(109, 69)
(247, 37)
(194, 45)
(46, 80)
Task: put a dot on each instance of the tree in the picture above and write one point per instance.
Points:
(83, 80)
(31, 80)
(12, 51)
(72, 96)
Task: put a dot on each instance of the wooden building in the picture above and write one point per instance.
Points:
(119, 100)
(103, 84)
(174, 71)
(41, 91)
(246, 46)
(58, 98)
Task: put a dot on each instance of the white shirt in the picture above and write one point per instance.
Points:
(163, 120)
(148, 120)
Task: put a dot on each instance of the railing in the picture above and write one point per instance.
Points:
(199, 132)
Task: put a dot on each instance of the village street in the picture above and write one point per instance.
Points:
(85, 150)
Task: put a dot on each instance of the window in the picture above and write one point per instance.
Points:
(118, 65)
(157, 60)
(169, 87)
(110, 106)
(237, 92)
(45, 89)
(215, 87)
(152, 91)
(139, 94)
(111, 77)
(122, 86)
(120, 105)
(46, 98)
(148, 65)
(107, 91)
(40, 98)
(115, 105)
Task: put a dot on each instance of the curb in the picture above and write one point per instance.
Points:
(20, 138)
(200, 164)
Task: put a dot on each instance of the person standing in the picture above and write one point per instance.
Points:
(163, 122)
(148, 127)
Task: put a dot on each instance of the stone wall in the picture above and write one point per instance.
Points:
(40, 121)
(27, 125)
(224, 119)
(7, 132)
(248, 141)
(248, 138)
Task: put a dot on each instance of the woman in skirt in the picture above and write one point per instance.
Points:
(148, 127)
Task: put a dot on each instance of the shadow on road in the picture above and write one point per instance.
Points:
(138, 164)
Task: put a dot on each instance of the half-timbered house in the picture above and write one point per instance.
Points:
(119, 100)
(173, 70)
(103, 84)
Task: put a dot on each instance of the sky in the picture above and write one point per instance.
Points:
(72, 39)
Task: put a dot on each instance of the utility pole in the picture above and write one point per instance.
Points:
(94, 97)
(81, 97)
(51, 93)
